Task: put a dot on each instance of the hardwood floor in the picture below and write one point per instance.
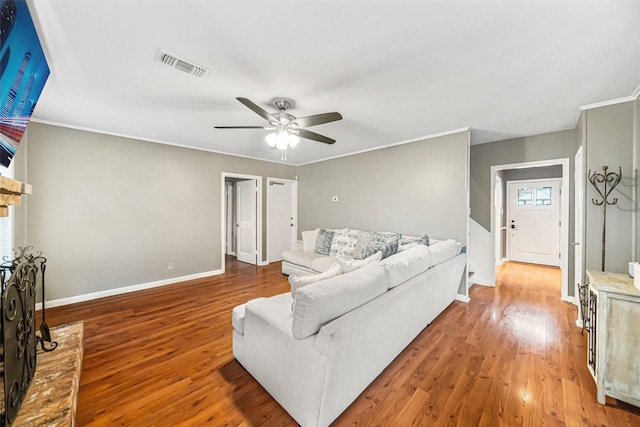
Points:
(512, 356)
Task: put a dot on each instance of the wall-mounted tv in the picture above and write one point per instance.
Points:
(23, 73)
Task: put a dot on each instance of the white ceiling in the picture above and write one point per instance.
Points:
(396, 70)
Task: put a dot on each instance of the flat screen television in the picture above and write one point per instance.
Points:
(23, 73)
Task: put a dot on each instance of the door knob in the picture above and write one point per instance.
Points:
(576, 243)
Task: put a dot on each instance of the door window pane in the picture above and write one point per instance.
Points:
(543, 196)
(525, 196)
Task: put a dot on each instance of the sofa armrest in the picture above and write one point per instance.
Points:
(297, 247)
(274, 315)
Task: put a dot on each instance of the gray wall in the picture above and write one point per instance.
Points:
(609, 142)
(110, 212)
(554, 171)
(555, 145)
(413, 188)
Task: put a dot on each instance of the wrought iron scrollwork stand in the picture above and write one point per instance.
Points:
(24, 255)
(610, 180)
(583, 296)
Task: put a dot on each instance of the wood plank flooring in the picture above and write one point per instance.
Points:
(510, 357)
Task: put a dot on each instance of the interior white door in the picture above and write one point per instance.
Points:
(533, 221)
(246, 229)
(282, 212)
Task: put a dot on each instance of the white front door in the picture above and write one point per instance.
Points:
(533, 221)
(246, 229)
(282, 216)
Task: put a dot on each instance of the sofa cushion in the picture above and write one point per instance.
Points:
(309, 240)
(237, 318)
(444, 250)
(344, 242)
(305, 259)
(319, 303)
(407, 264)
(298, 282)
(348, 266)
(324, 241)
(323, 263)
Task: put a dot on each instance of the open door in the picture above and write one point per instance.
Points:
(282, 216)
(246, 218)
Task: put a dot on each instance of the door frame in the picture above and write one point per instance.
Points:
(509, 213)
(579, 229)
(223, 208)
(564, 228)
(294, 207)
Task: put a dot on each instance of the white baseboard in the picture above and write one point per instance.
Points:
(483, 282)
(126, 289)
(579, 323)
(502, 261)
(572, 300)
(462, 298)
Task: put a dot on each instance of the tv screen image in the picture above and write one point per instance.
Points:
(23, 73)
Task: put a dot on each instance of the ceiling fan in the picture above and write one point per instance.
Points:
(288, 127)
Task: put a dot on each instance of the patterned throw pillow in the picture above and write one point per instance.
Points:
(363, 241)
(424, 240)
(344, 242)
(324, 241)
(387, 249)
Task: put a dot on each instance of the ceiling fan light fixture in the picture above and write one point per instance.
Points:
(283, 140)
(272, 139)
(293, 140)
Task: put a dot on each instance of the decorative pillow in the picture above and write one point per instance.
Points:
(352, 265)
(387, 249)
(382, 237)
(323, 242)
(363, 241)
(344, 242)
(424, 240)
(298, 282)
(309, 240)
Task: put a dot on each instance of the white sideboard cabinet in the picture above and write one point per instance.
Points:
(613, 351)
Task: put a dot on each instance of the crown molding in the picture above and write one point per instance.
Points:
(382, 147)
(633, 97)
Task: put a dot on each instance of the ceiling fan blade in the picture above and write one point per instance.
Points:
(303, 133)
(256, 109)
(317, 119)
(239, 127)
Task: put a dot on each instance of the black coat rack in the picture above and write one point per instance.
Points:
(608, 181)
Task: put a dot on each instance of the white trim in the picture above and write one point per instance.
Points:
(126, 289)
(564, 233)
(463, 298)
(259, 215)
(381, 147)
(633, 97)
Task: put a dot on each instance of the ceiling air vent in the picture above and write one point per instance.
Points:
(182, 64)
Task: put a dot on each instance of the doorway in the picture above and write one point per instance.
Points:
(282, 216)
(507, 172)
(241, 218)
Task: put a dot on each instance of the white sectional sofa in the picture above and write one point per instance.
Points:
(316, 353)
